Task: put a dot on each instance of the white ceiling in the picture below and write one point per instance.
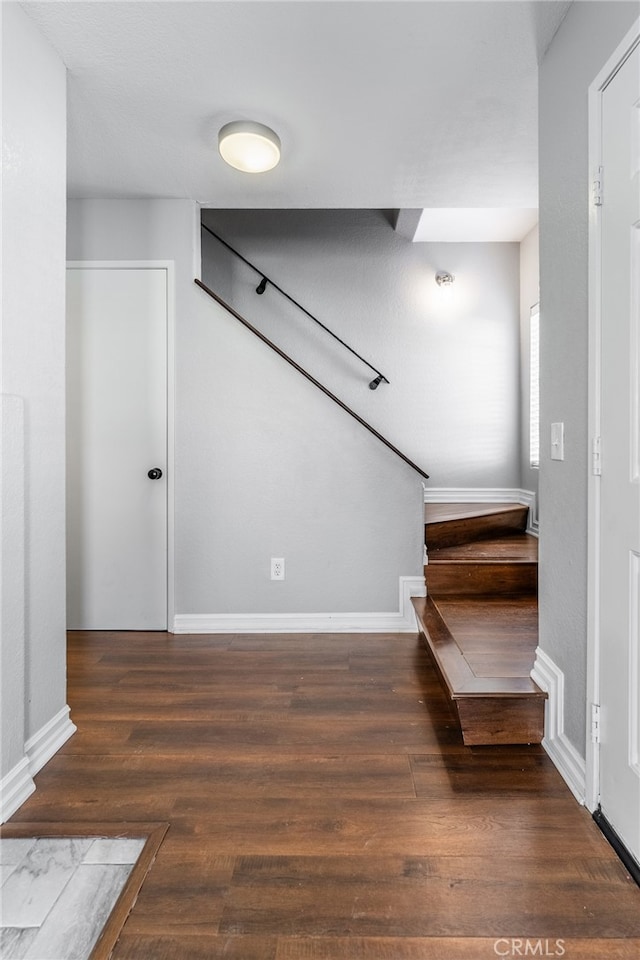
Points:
(483, 224)
(378, 104)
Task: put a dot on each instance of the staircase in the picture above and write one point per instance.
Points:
(480, 618)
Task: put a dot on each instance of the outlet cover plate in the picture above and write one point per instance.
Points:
(277, 568)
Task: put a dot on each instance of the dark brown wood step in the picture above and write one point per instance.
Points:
(448, 524)
(517, 548)
(501, 566)
(484, 649)
(498, 636)
(479, 578)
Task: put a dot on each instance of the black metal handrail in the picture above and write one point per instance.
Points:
(307, 375)
(262, 286)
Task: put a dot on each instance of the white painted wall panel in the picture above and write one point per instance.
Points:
(12, 586)
(33, 340)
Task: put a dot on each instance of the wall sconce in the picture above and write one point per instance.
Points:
(444, 279)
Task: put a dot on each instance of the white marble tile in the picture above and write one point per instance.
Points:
(15, 941)
(12, 852)
(114, 850)
(71, 930)
(37, 882)
(13, 849)
(6, 869)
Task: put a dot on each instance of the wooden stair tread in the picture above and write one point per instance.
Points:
(454, 523)
(496, 635)
(456, 656)
(496, 700)
(516, 548)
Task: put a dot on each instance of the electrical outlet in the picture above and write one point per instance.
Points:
(277, 568)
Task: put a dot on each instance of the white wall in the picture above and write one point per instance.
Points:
(35, 717)
(265, 464)
(585, 40)
(529, 296)
(12, 596)
(452, 355)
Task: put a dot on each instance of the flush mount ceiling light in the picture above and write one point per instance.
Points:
(444, 279)
(248, 146)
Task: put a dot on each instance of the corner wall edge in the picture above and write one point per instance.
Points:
(15, 787)
(44, 744)
(565, 757)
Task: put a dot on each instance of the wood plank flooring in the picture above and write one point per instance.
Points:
(322, 806)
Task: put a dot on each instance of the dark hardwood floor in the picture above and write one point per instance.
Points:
(322, 806)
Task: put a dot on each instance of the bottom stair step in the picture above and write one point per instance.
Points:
(484, 649)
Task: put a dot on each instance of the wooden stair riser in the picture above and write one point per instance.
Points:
(450, 533)
(496, 721)
(454, 578)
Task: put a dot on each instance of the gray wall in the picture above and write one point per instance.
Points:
(586, 39)
(265, 464)
(529, 296)
(452, 355)
(32, 357)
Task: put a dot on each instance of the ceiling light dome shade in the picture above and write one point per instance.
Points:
(248, 146)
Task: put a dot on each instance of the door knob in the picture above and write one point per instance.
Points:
(155, 473)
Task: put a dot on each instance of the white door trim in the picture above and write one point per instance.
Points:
(169, 267)
(596, 89)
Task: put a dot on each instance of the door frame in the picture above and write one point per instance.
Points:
(169, 267)
(613, 64)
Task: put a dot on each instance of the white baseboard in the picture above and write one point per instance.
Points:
(486, 495)
(402, 621)
(15, 787)
(47, 741)
(18, 784)
(566, 758)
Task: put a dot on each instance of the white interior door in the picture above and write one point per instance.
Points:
(116, 434)
(619, 626)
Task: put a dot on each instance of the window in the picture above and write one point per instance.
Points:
(534, 386)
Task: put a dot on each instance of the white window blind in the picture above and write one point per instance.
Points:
(534, 386)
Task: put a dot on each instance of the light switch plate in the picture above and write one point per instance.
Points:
(557, 441)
